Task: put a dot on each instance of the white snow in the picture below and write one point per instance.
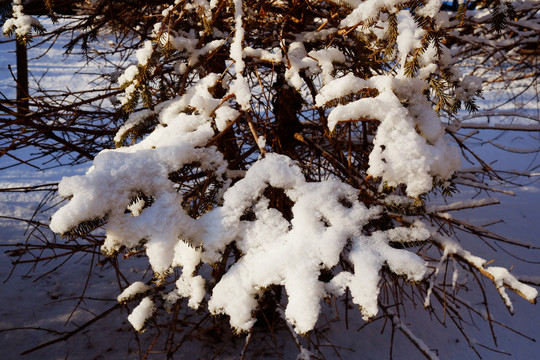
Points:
(326, 58)
(431, 8)
(144, 53)
(140, 315)
(409, 147)
(20, 23)
(240, 87)
(502, 277)
(132, 290)
(366, 10)
(409, 36)
(298, 60)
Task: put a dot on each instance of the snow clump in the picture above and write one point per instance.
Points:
(20, 23)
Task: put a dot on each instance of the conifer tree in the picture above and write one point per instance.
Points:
(269, 156)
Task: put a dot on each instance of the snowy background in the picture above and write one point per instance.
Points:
(36, 304)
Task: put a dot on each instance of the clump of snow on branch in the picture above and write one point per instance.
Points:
(431, 8)
(188, 285)
(501, 277)
(132, 291)
(119, 175)
(129, 81)
(20, 23)
(240, 86)
(140, 315)
(368, 255)
(409, 147)
(277, 252)
(409, 36)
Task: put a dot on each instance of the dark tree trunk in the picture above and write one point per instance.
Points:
(22, 79)
(287, 103)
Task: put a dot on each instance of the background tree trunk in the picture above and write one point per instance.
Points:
(22, 79)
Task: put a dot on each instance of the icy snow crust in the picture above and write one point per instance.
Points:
(327, 217)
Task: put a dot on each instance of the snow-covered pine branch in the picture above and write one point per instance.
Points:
(21, 24)
(273, 155)
(325, 219)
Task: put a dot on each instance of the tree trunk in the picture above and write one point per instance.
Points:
(22, 80)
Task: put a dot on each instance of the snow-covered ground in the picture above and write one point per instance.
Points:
(36, 304)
